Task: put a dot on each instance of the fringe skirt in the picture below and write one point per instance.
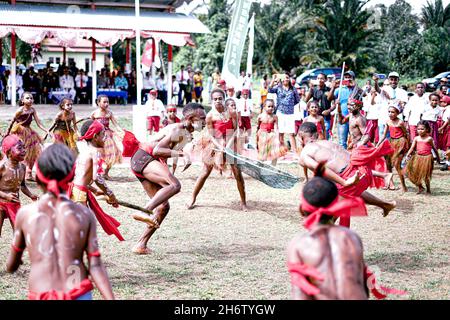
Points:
(400, 147)
(32, 142)
(209, 155)
(269, 146)
(419, 168)
(67, 137)
(111, 153)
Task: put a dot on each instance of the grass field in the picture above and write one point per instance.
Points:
(218, 252)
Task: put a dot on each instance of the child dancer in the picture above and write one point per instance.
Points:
(267, 139)
(431, 114)
(444, 130)
(65, 126)
(399, 141)
(20, 125)
(12, 179)
(110, 153)
(420, 166)
(313, 116)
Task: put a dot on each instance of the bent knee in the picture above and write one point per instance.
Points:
(176, 186)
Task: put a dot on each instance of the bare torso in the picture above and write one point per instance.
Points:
(56, 234)
(335, 252)
(11, 178)
(178, 133)
(336, 157)
(356, 126)
(87, 161)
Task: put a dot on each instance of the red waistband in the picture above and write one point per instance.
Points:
(84, 287)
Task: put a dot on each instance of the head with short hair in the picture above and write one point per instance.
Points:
(269, 106)
(66, 104)
(194, 116)
(434, 99)
(307, 133)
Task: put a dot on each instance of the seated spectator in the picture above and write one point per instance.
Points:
(81, 82)
(31, 82)
(121, 83)
(103, 80)
(50, 82)
(67, 83)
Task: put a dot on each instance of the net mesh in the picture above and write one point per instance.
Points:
(261, 171)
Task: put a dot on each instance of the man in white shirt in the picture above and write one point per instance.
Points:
(372, 110)
(147, 84)
(382, 101)
(414, 109)
(19, 85)
(182, 78)
(245, 111)
(175, 90)
(81, 81)
(231, 94)
(67, 83)
(155, 112)
(393, 92)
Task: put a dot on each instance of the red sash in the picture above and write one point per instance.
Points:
(84, 287)
(302, 275)
(11, 209)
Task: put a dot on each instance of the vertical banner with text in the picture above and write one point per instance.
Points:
(236, 40)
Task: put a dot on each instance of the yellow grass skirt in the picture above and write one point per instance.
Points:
(69, 138)
(111, 153)
(269, 146)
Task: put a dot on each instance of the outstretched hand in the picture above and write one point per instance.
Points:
(353, 180)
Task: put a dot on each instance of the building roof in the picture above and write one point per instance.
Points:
(73, 17)
(82, 45)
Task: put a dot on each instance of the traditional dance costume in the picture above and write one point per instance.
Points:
(32, 141)
(269, 146)
(11, 209)
(420, 167)
(80, 292)
(110, 153)
(64, 133)
(399, 144)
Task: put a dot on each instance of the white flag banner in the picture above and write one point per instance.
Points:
(236, 41)
(251, 43)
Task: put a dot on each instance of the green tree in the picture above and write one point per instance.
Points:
(435, 15)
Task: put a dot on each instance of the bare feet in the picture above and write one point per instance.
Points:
(141, 250)
(190, 206)
(148, 219)
(389, 208)
(244, 207)
(420, 190)
(388, 181)
(404, 189)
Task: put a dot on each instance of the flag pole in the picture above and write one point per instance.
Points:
(138, 53)
(338, 100)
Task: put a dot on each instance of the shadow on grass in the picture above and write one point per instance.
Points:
(403, 261)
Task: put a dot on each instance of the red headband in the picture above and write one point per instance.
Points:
(53, 185)
(171, 109)
(345, 208)
(94, 128)
(9, 142)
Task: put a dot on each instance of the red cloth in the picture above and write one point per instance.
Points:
(363, 159)
(352, 206)
(412, 132)
(94, 128)
(267, 127)
(396, 132)
(423, 148)
(84, 287)
(130, 144)
(221, 127)
(301, 276)
(298, 123)
(153, 123)
(8, 142)
(372, 130)
(11, 209)
(379, 292)
(54, 185)
(108, 223)
(245, 123)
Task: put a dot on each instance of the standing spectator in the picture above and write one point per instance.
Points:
(161, 86)
(182, 78)
(414, 109)
(323, 95)
(67, 83)
(81, 85)
(300, 111)
(215, 78)
(345, 92)
(264, 90)
(287, 98)
(31, 82)
(221, 84)
(371, 108)
(19, 86)
(155, 112)
(198, 86)
(175, 90)
(248, 84)
(50, 82)
(393, 92)
(231, 94)
(148, 84)
(245, 114)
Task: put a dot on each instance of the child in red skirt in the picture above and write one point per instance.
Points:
(420, 166)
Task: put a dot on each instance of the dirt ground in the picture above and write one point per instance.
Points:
(217, 251)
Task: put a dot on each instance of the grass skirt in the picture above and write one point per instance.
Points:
(400, 147)
(111, 152)
(32, 143)
(67, 137)
(205, 147)
(269, 146)
(419, 168)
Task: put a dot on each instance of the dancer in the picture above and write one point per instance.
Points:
(314, 117)
(344, 168)
(21, 126)
(148, 163)
(399, 141)
(65, 126)
(420, 167)
(57, 233)
(12, 179)
(88, 170)
(221, 133)
(328, 261)
(431, 114)
(245, 109)
(267, 137)
(110, 153)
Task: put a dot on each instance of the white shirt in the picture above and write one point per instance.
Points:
(66, 82)
(185, 77)
(396, 94)
(446, 115)
(19, 81)
(372, 110)
(431, 114)
(175, 87)
(414, 109)
(161, 84)
(383, 107)
(247, 84)
(244, 106)
(79, 79)
(299, 110)
(148, 83)
(155, 107)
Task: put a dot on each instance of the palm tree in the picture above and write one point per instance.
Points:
(435, 15)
